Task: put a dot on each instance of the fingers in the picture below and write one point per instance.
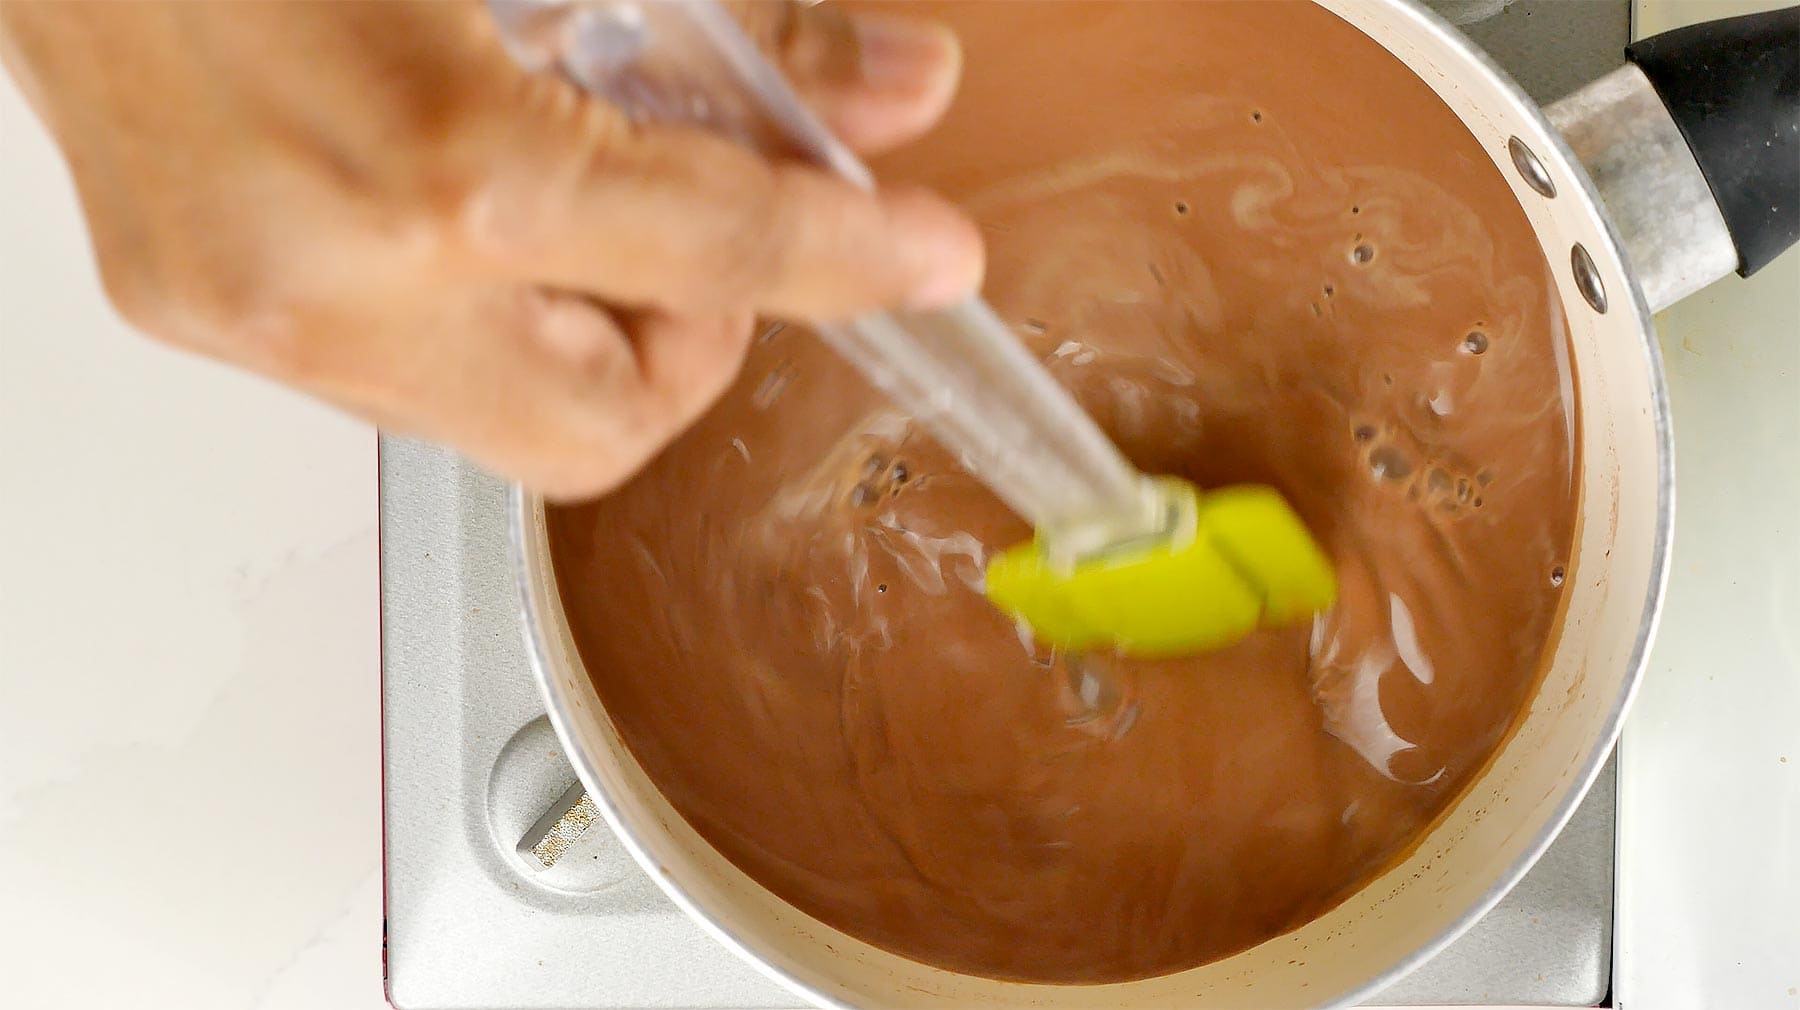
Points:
(696, 234)
(877, 80)
(676, 219)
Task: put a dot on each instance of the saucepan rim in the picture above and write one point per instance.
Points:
(1525, 120)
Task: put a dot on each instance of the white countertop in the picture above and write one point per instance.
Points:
(190, 810)
(189, 731)
(1708, 870)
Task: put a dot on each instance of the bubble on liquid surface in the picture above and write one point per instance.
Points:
(1556, 576)
(1475, 343)
(1100, 704)
(1363, 253)
(1089, 689)
(1389, 463)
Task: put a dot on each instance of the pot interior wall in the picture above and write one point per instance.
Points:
(1471, 855)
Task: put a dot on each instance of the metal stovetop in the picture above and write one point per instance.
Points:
(470, 762)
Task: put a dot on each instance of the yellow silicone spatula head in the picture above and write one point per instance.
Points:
(1232, 559)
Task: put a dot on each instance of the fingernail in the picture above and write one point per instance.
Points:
(905, 53)
(939, 249)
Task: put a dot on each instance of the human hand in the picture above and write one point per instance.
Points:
(372, 203)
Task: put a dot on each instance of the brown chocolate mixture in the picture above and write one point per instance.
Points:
(1258, 249)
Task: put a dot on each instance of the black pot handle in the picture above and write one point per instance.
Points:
(1733, 88)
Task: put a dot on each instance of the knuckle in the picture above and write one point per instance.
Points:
(447, 210)
(273, 336)
(437, 185)
(511, 201)
(480, 212)
(227, 309)
(134, 297)
(242, 316)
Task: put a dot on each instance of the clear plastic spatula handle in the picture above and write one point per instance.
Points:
(961, 372)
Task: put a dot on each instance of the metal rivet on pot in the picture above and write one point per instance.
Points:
(1587, 277)
(1530, 168)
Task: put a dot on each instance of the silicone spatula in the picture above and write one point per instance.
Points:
(1139, 565)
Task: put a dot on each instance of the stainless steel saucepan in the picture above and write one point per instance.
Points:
(1674, 170)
